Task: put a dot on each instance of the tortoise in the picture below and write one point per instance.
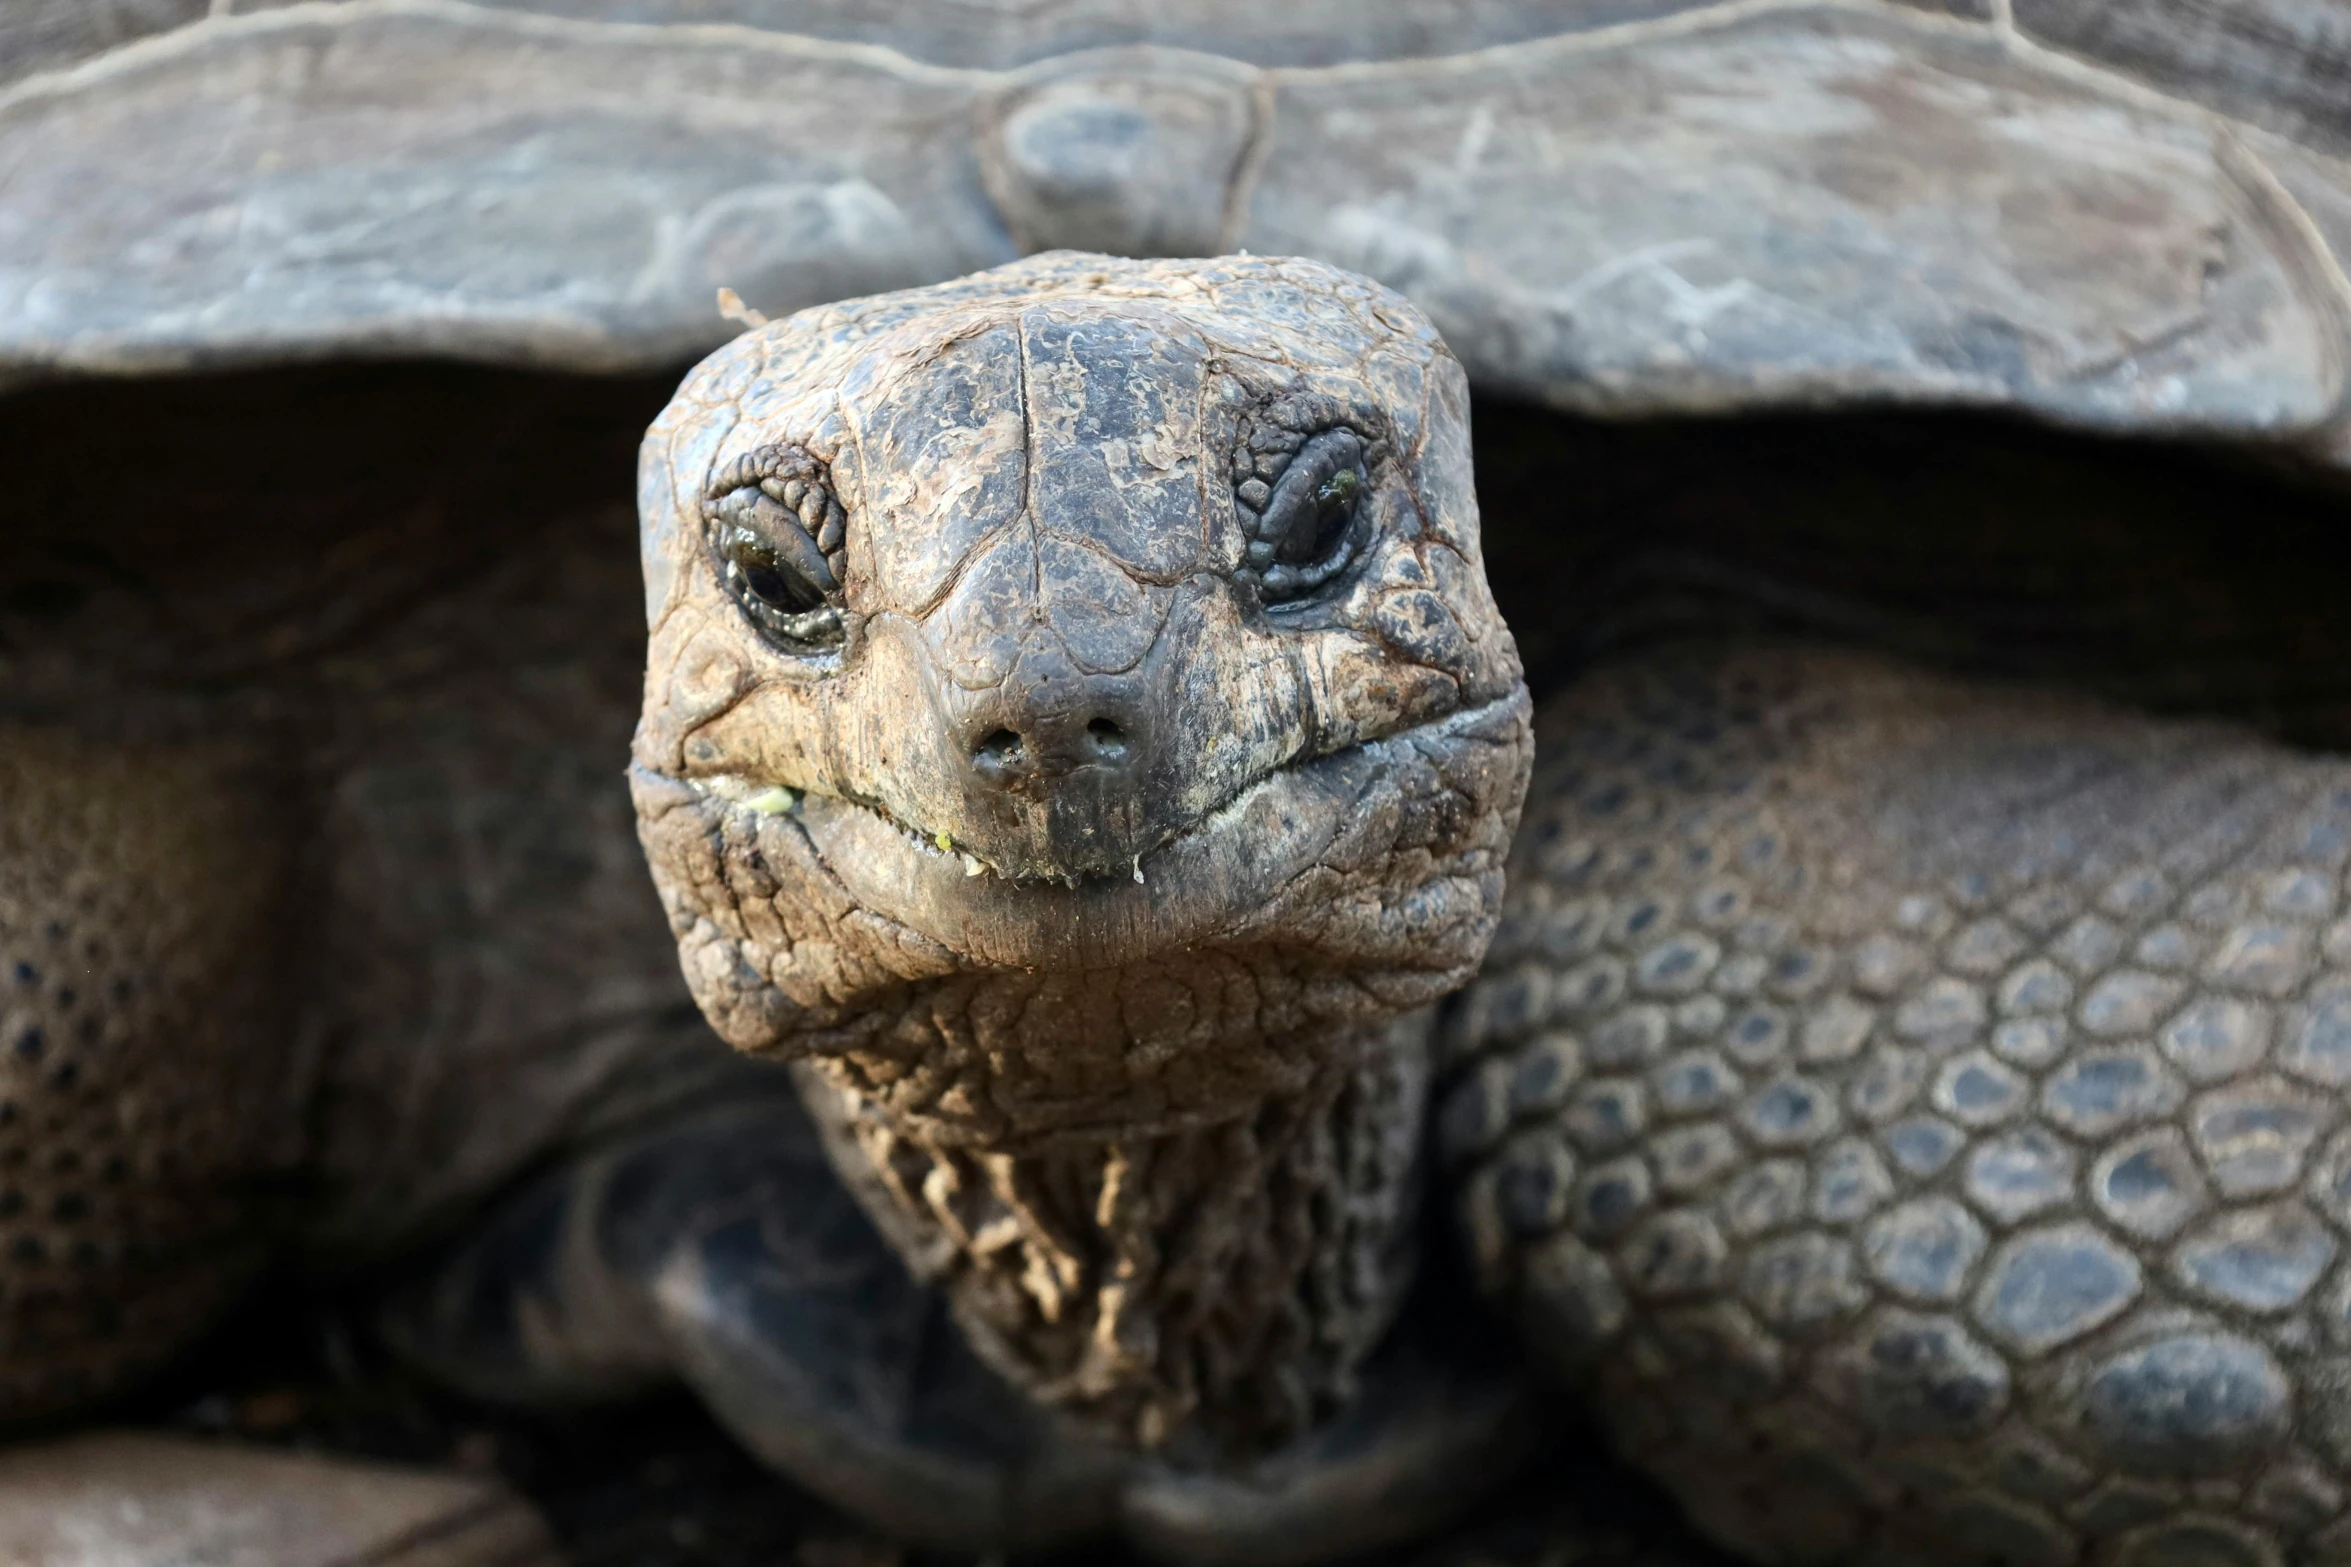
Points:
(1908, 1092)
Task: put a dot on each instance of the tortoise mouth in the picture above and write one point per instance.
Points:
(1213, 879)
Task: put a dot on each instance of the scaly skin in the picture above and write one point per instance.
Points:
(1104, 1036)
(143, 1052)
(1917, 1110)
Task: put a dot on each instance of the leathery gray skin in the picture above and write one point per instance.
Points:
(1091, 862)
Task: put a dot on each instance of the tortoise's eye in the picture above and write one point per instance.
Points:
(777, 532)
(1306, 528)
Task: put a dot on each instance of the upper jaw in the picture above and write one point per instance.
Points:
(1211, 881)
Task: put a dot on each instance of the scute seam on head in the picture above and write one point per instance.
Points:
(1009, 287)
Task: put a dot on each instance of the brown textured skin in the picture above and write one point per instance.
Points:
(312, 846)
(1916, 1110)
(144, 1052)
(1252, 1261)
(1111, 1040)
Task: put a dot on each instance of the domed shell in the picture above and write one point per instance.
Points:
(2124, 214)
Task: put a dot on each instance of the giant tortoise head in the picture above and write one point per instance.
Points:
(1073, 692)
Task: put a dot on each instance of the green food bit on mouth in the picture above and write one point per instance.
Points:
(773, 802)
(945, 843)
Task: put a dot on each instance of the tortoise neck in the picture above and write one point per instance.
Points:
(1215, 1286)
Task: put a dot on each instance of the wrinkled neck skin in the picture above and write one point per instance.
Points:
(1092, 794)
(1237, 1271)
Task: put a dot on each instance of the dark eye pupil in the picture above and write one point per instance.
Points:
(1319, 516)
(773, 581)
(769, 584)
(1334, 505)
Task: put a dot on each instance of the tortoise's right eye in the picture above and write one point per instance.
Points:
(777, 532)
(1303, 526)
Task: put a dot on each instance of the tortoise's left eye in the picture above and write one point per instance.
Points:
(1306, 528)
(777, 532)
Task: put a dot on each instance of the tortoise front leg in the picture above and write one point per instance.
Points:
(721, 1249)
(148, 1104)
(1918, 1111)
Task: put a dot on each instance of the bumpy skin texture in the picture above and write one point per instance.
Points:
(1918, 1111)
(321, 912)
(1090, 863)
(143, 1053)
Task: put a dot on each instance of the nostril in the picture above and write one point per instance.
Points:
(1106, 740)
(998, 747)
(1011, 759)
